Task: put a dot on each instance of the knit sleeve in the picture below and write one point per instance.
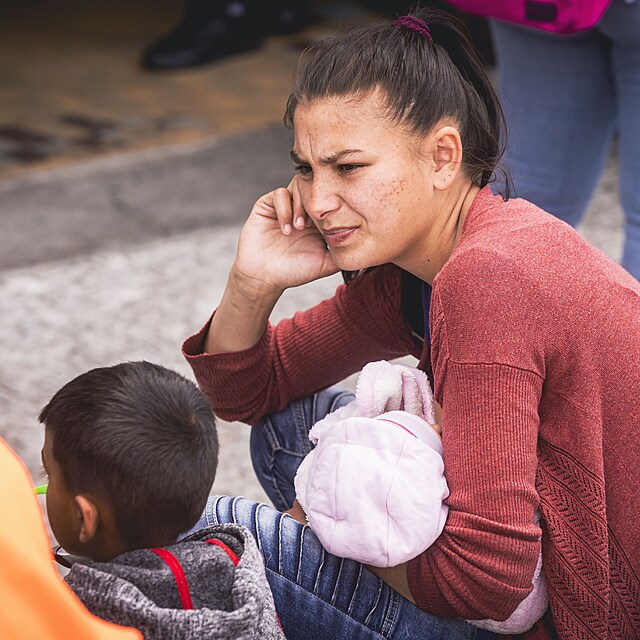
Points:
(311, 351)
(488, 380)
(483, 563)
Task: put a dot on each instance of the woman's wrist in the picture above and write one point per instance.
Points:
(242, 316)
(251, 291)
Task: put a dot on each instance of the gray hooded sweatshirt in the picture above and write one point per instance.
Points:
(139, 589)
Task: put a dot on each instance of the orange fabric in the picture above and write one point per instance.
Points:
(36, 603)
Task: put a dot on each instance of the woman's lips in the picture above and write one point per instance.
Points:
(338, 235)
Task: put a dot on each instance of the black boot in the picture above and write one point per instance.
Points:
(213, 29)
(284, 16)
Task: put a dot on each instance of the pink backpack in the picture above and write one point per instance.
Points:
(558, 16)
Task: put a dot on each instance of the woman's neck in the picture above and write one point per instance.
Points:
(445, 233)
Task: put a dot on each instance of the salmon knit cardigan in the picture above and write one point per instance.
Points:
(535, 361)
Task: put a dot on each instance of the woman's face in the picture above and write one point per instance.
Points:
(365, 182)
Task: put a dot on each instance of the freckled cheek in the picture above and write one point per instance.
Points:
(385, 198)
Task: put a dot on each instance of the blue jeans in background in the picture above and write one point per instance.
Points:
(564, 97)
(318, 596)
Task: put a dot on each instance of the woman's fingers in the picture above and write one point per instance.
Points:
(284, 209)
(299, 214)
(283, 205)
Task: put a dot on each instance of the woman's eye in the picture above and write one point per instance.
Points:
(43, 473)
(302, 169)
(348, 168)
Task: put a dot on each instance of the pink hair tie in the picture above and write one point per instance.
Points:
(414, 24)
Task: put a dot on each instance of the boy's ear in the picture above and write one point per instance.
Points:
(448, 156)
(89, 518)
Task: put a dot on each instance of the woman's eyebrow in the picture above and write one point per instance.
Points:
(332, 159)
(295, 158)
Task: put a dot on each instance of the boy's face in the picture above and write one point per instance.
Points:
(62, 509)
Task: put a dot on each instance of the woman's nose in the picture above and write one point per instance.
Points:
(322, 198)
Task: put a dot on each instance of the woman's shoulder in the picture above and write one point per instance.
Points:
(514, 244)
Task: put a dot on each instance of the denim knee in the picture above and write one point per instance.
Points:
(280, 441)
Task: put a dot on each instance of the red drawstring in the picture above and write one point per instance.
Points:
(178, 574)
(224, 547)
(181, 579)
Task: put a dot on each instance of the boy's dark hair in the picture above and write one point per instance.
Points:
(143, 439)
(424, 81)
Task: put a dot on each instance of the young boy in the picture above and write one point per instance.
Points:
(131, 453)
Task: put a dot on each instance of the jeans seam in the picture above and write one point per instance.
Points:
(392, 612)
(209, 514)
(302, 417)
(314, 404)
(316, 586)
(256, 518)
(355, 590)
(334, 595)
(375, 604)
(300, 559)
(280, 568)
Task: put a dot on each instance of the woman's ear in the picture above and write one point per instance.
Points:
(447, 147)
(88, 517)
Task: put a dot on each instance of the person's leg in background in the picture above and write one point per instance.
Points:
(621, 24)
(317, 595)
(559, 101)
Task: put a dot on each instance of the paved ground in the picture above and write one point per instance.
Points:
(111, 255)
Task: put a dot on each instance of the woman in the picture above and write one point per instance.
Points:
(532, 344)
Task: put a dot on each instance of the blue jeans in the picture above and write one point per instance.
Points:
(564, 97)
(318, 596)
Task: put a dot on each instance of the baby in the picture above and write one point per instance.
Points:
(373, 489)
(131, 452)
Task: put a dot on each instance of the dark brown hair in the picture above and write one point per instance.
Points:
(141, 437)
(424, 80)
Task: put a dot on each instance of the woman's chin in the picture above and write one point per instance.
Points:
(351, 265)
(349, 261)
(354, 263)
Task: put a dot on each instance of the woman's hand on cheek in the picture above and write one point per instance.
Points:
(278, 247)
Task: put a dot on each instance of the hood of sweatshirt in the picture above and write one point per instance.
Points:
(223, 580)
